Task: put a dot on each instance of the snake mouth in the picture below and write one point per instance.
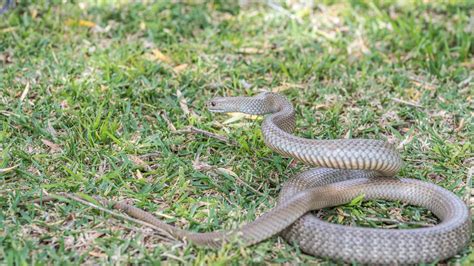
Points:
(213, 106)
(216, 111)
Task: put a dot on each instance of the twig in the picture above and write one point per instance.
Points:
(149, 155)
(407, 103)
(395, 221)
(182, 102)
(52, 197)
(165, 117)
(195, 130)
(8, 169)
(202, 166)
(239, 180)
(389, 221)
(25, 92)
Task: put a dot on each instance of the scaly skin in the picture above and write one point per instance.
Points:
(347, 169)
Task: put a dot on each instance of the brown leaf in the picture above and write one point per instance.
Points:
(358, 48)
(227, 171)
(138, 175)
(64, 104)
(251, 50)
(6, 58)
(97, 254)
(285, 86)
(158, 55)
(34, 13)
(468, 64)
(54, 148)
(201, 166)
(180, 68)
(139, 162)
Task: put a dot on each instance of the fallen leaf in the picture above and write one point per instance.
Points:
(182, 102)
(137, 161)
(358, 47)
(468, 64)
(64, 104)
(25, 92)
(285, 86)
(239, 116)
(97, 254)
(52, 146)
(82, 23)
(142, 25)
(86, 23)
(51, 130)
(34, 13)
(460, 126)
(9, 29)
(179, 68)
(226, 171)
(158, 55)
(321, 106)
(201, 166)
(251, 50)
(6, 58)
(436, 177)
(413, 94)
(293, 163)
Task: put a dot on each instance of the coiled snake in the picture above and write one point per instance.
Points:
(347, 169)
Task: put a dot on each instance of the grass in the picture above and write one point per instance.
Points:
(89, 96)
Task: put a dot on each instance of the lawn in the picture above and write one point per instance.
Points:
(106, 99)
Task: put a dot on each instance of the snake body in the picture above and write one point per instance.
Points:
(346, 169)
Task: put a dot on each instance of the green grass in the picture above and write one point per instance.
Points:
(93, 117)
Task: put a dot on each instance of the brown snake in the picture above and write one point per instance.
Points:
(347, 169)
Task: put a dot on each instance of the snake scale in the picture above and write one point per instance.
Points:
(346, 169)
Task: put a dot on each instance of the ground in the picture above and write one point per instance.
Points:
(104, 98)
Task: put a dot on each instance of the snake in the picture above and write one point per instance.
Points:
(343, 169)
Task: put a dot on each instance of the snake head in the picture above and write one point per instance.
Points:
(221, 105)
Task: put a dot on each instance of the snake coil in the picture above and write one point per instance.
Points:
(346, 169)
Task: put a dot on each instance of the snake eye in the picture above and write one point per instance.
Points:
(213, 104)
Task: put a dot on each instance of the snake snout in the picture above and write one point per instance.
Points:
(214, 105)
